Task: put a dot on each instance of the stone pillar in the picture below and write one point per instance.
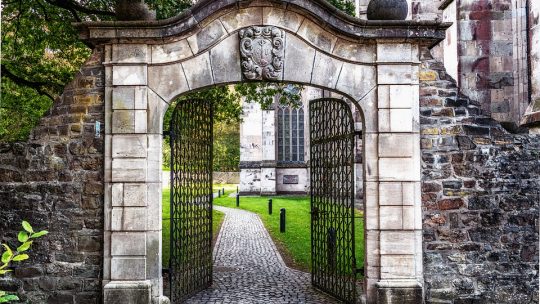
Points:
(132, 252)
(251, 149)
(268, 166)
(399, 228)
(532, 115)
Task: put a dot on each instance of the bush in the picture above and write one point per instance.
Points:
(25, 237)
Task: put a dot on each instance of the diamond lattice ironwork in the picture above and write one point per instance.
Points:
(190, 264)
(332, 198)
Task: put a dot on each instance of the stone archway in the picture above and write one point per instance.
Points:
(373, 63)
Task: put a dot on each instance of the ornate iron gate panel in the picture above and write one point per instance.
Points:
(332, 198)
(190, 263)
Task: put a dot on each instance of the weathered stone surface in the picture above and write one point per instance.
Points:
(167, 81)
(170, 52)
(123, 121)
(325, 70)
(129, 53)
(54, 181)
(127, 292)
(129, 75)
(128, 243)
(225, 60)
(356, 80)
(477, 190)
(242, 18)
(282, 18)
(399, 295)
(208, 36)
(198, 71)
(355, 51)
(125, 146)
(298, 56)
(314, 34)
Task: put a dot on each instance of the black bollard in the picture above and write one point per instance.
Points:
(237, 200)
(222, 191)
(218, 193)
(282, 220)
(270, 206)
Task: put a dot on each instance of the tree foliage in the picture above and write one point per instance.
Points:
(41, 53)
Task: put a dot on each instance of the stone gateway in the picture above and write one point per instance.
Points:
(450, 197)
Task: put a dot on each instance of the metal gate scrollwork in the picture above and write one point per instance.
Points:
(190, 264)
(332, 136)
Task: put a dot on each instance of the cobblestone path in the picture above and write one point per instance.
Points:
(249, 269)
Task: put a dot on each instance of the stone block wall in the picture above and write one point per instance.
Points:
(55, 181)
(225, 177)
(481, 196)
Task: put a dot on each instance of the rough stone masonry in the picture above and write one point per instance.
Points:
(55, 181)
(480, 198)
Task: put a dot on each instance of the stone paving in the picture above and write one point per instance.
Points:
(249, 269)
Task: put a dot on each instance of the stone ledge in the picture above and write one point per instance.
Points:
(127, 292)
(399, 291)
(431, 32)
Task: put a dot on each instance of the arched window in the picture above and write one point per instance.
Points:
(290, 134)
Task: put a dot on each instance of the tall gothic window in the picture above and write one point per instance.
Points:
(290, 134)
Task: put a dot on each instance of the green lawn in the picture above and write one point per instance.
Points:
(217, 219)
(296, 241)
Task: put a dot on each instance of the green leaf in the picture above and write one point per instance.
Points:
(20, 257)
(8, 298)
(24, 246)
(6, 256)
(27, 227)
(2, 293)
(22, 236)
(5, 271)
(38, 234)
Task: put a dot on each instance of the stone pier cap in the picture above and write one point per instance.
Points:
(425, 33)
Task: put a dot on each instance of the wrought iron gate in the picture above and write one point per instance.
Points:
(333, 268)
(190, 264)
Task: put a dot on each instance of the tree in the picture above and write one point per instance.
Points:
(41, 53)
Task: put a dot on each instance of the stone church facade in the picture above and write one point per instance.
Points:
(274, 147)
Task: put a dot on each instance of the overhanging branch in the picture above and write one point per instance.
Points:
(74, 6)
(36, 85)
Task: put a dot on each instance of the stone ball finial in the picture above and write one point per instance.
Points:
(387, 10)
(131, 10)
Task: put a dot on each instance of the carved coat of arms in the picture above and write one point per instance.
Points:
(261, 49)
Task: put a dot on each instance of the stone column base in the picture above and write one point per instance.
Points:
(127, 292)
(402, 292)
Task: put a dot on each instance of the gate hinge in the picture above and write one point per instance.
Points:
(358, 133)
(359, 271)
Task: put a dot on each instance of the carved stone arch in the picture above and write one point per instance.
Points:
(373, 63)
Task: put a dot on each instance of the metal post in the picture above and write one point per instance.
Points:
(270, 206)
(218, 193)
(222, 191)
(282, 220)
(236, 189)
(237, 200)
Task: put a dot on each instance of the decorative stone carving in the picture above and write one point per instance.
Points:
(261, 49)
